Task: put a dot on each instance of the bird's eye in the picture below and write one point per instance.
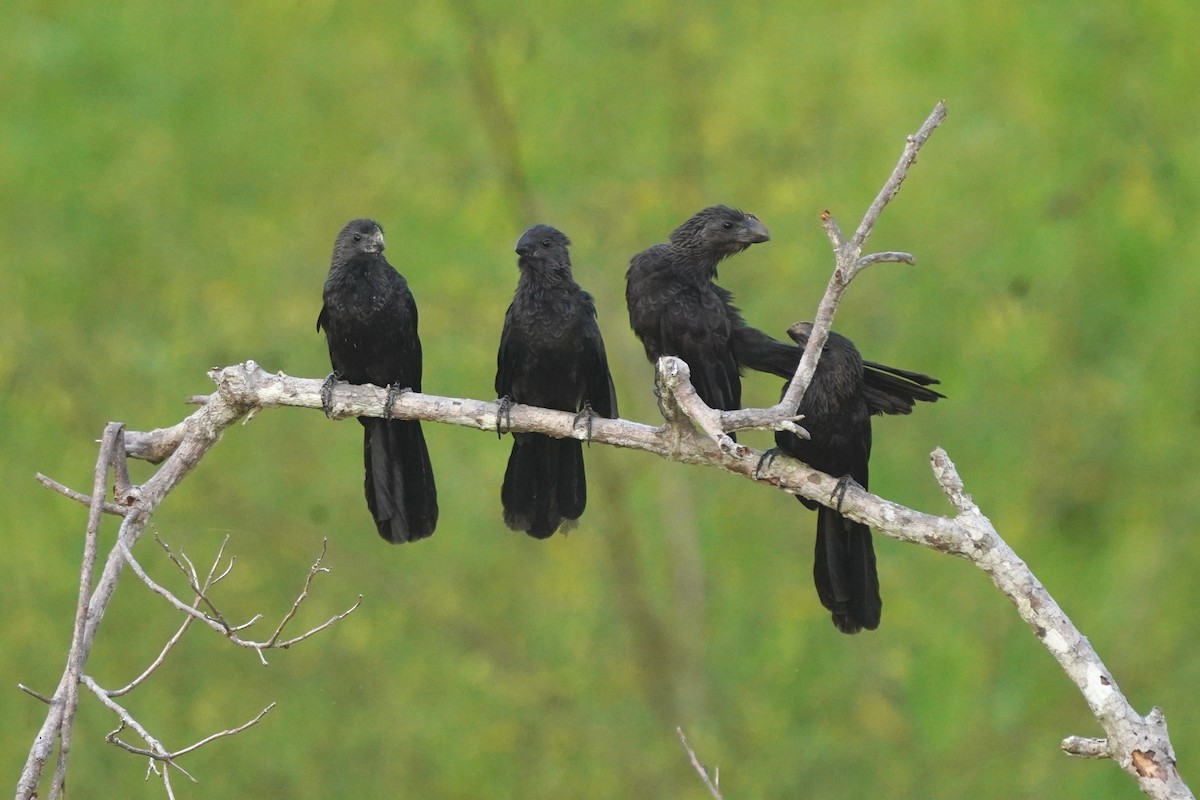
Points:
(545, 242)
(726, 224)
(358, 237)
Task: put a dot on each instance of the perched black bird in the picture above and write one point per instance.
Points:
(551, 355)
(837, 409)
(370, 323)
(677, 310)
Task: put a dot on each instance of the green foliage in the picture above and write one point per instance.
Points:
(171, 180)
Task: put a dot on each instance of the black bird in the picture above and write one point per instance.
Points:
(837, 409)
(551, 355)
(370, 323)
(676, 309)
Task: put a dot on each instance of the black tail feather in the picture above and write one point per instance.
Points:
(844, 572)
(890, 390)
(545, 487)
(400, 489)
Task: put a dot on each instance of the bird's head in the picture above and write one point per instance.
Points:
(359, 237)
(544, 243)
(721, 230)
(838, 351)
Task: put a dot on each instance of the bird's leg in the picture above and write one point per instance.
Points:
(585, 413)
(394, 392)
(765, 461)
(839, 491)
(327, 393)
(503, 412)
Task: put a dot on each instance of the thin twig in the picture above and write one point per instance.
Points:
(157, 662)
(889, 257)
(157, 751)
(222, 734)
(35, 694)
(189, 572)
(300, 598)
(696, 765)
(230, 631)
(892, 187)
(210, 580)
(1086, 747)
(145, 578)
(284, 645)
(79, 497)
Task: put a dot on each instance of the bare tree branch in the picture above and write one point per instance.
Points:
(112, 449)
(967, 535)
(179, 449)
(849, 261)
(217, 621)
(157, 751)
(210, 580)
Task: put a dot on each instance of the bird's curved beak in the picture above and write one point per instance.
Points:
(754, 231)
(800, 332)
(525, 247)
(375, 243)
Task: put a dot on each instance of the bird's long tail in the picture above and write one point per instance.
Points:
(401, 492)
(844, 572)
(544, 486)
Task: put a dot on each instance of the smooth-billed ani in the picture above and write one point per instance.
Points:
(551, 355)
(837, 409)
(370, 323)
(676, 309)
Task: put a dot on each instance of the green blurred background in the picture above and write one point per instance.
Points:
(171, 180)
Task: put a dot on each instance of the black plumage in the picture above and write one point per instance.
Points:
(837, 409)
(676, 309)
(551, 355)
(370, 323)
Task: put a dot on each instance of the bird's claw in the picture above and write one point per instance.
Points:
(327, 393)
(585, 413)
(394, 392)
(503, 412)
(765, 461)
(839, 491)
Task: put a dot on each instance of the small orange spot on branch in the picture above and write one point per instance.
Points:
(1146, 766)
